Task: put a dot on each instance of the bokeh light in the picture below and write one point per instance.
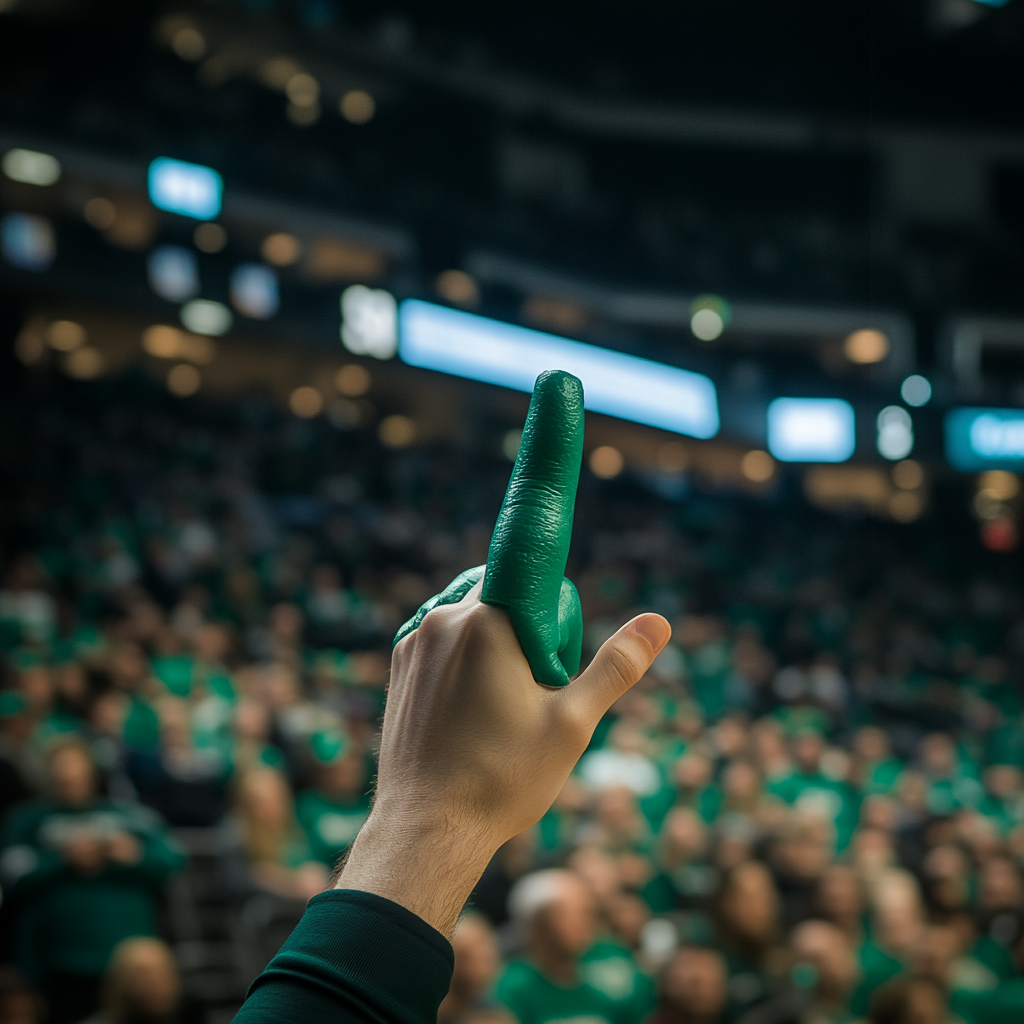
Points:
(606, 462)
(757, 466)
(866, 347)
(306, 402)
(396, 431)
(352, 380)
(183, 380)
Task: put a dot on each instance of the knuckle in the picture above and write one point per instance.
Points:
(624, 666)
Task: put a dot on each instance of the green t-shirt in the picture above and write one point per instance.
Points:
(330, 825)
(835, 800)
(535, 999)
(609, 967)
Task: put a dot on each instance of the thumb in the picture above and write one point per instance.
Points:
(621, 661)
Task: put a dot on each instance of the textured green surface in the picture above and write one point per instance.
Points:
(526, 560)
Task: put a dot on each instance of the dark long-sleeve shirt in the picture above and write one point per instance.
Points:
(354, 958)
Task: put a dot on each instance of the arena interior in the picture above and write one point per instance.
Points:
(276, 279)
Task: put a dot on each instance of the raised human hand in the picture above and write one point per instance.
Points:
(473, 749)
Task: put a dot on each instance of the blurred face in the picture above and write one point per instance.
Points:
(839, 894)
(872, 743)
(695, 983)
(72, 777)
(268, 800)
(1000, 885)
(828, 950)
(151, 980)
(684, 833)
(807, 751)
(938, 755)
(935, 952)
(616, 808)
(749, 904)
(924, 1006)
(476, 956)
(742, 782)
(569, 922)
(251, 720)
(693, 772)
(344, 778)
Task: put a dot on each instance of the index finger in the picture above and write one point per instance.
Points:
(530, 544)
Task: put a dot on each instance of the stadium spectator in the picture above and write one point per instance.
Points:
(83, 873)
(140, 986)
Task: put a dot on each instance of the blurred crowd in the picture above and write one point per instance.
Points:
(811, 809)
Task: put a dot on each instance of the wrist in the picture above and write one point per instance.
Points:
(425, 863)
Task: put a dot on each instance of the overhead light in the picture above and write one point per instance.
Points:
(84, 363)
(457, 287)
(174, 273)
(27, 241)
(254, 291)
(280, 249)
(479, 348)
(206, 317)
(757, 466)
(65, 335)
(369, 321)
(357, 106)
(306, 402)
(30, 167)
(189, 44)
(606, 462)
(396, 431)
(189, 189)
(352, 380)
(183, 380)
(811, 430)
(916, 390)
(866, 346)
(303, 90)
(895, 433)
(709, 316)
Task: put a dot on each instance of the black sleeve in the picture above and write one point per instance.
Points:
(354, 958)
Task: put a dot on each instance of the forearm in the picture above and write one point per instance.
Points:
(428, 869)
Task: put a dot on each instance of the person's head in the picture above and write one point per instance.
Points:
(937, 947)
(840, 896)
(71, 773)
(252, 720)
(897, 911)
(683, 836)
(597, 869)
(141, 982)
(556, 911)
(747, 904)
(871, 743)
(693, 771)
(19, 1002)
(616, 810)
(808, 746)
(908, 1001)
(694, 984)
(344, 777)
(937, 755)
(477, 960)
(828, 950)
(265, 809)
(999, 886)
(741, 786)
(628, 914)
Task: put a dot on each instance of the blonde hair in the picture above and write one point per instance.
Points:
(264, 842)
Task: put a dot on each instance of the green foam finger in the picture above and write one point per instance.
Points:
(452, 594)
(530, 545)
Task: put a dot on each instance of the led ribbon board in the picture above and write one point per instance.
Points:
(978, 439)
(811, 430)
(478, 348)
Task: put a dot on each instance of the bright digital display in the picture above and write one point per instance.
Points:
(476, 347)
(978, 439)
(811, 429)
(189, 189)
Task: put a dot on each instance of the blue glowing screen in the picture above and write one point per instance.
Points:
(188, 189)
(811, 430)
(478, 348)
(978, 439)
